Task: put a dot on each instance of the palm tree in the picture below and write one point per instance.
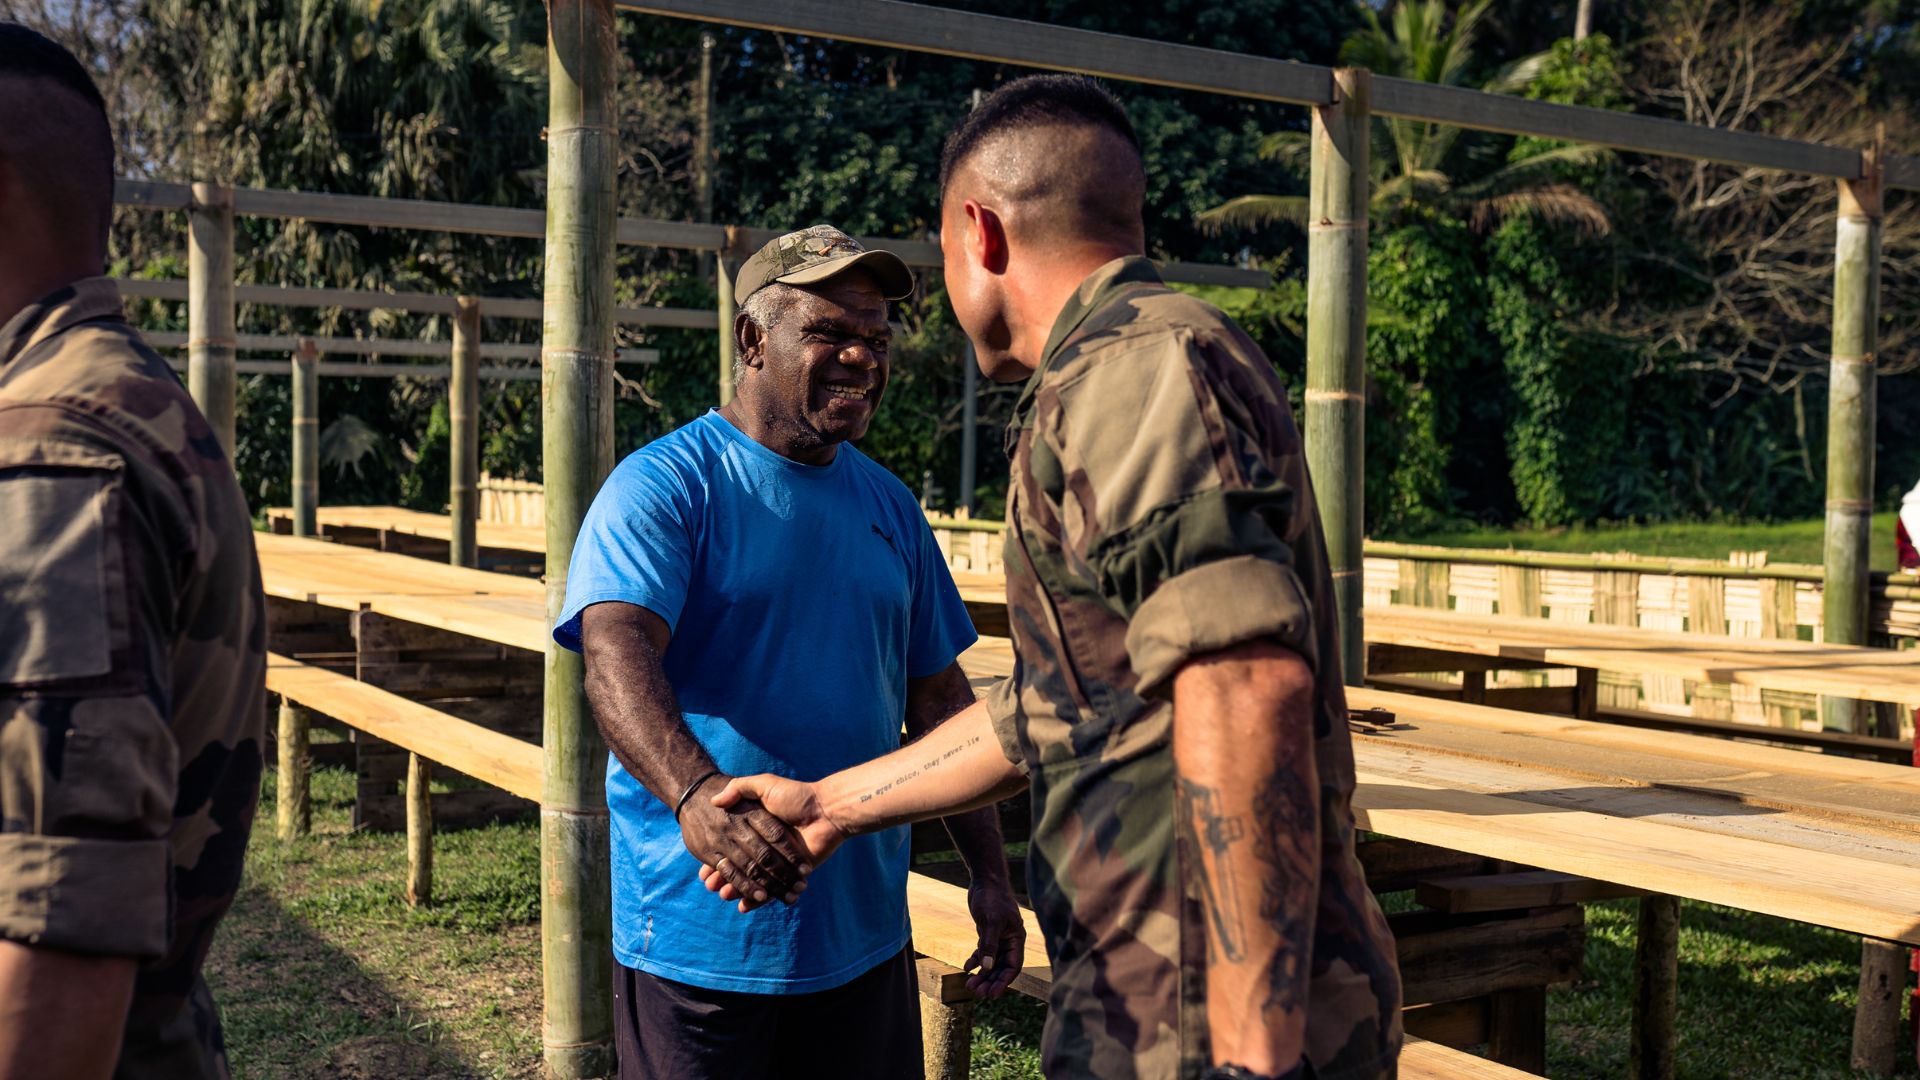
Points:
(1408, 157)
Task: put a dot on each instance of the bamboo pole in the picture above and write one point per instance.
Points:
(723, 290)
(577, 353)
(1850, 424)
(210, 333)
(1337, 342)
(419, 830)
(463, 414)
(306, 438)
(293, 810)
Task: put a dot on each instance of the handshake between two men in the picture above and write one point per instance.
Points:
(760, 837)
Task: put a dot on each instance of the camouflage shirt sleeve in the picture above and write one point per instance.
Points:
(88, 764)
(1182, 514)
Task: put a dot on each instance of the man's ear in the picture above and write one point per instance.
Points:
(986, 237)
(749, 339)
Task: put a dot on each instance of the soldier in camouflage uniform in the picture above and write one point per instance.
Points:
(1176, 703)
(132, 662)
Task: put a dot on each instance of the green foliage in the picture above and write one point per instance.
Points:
(1427, 275)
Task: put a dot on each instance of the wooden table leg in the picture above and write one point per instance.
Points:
(946, 1020)
(1586, 693)
(1517, 1029)
(1473, 687)
(1876, 1021)
(1656, 989)
(294, 814)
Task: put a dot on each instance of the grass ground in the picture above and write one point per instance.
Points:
(1784, 542)
(322, 970)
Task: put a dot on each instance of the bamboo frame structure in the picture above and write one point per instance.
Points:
(576, 442)
(1337, 344)
(463, 415)
(210, 332)
(306, 438)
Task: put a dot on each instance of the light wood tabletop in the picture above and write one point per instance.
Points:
(1817, 839)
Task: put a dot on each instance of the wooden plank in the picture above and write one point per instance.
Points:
(1519, 591)
(489, 756)
(1518, 889)
(1423, 1060)
(1456, 1024)
(1446, 958)
(1843, 892)
(943, 930)
(1392, 865)
(339, 346)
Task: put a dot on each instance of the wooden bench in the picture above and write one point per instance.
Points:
(425, 733)
(944, 936)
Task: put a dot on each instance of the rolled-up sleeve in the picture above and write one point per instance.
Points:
(88, 764)
(1003, 709)
(1191, 514)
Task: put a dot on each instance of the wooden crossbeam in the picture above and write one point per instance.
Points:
(488, 756)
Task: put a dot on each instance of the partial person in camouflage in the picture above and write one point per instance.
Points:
(132, 650)
(1176, 703)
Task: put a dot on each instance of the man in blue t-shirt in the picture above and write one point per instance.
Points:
(753, 596)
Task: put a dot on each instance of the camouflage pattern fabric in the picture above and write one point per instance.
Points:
(132, 668)
(810, 245)
(1160, 508)
(814, 254)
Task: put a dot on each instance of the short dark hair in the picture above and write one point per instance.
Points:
(72, 168)
(28, 54)
(1036, 101)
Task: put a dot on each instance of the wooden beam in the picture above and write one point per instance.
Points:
(915, 27)
(488, 756)
(306, 438)
(430, 216)
(1518, 889)
(463, 420)
(419, 303)
(337, 346)
(1015, 41)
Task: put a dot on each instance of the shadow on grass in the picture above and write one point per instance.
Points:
(322, 970)
(1760, 999)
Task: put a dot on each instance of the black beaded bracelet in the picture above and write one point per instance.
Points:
(691, 788)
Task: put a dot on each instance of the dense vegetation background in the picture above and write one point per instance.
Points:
(1557, 335)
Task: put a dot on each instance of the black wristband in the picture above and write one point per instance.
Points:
(691, 788)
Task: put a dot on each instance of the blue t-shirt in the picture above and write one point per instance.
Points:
(801, 598)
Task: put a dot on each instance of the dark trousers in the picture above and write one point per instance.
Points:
(867, 1029)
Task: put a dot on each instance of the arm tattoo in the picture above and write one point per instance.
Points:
(1287, 839)
(928, 766)
(1217, 833)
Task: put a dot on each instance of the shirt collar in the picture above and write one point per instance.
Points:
(1095, 292)
(83, 301)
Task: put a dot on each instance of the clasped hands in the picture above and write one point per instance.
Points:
(760, 836)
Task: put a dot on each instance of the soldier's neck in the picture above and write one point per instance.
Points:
(1044, 291)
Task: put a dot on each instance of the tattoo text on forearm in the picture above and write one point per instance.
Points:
(928, 766)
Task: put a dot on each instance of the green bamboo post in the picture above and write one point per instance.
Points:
(210, 334)
(293, 812)
(463, 415)
(1337, 342)
(419, 830)
(723, 288)
(306, 438)
(1850, 423)
(576, 357)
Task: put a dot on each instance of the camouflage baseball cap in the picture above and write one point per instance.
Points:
(816, 254)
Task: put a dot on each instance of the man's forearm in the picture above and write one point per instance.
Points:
(637, 712)
(956, 767)
(976, 833)
(61, 1013)
(1249, 793)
